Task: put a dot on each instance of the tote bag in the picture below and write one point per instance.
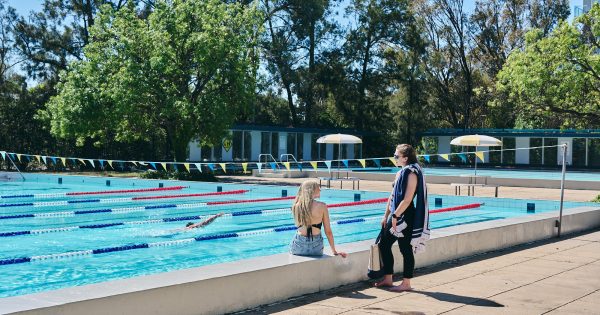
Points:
(375, 269)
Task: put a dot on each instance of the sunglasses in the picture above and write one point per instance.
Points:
(397, 157)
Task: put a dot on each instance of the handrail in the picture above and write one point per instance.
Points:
(15, 165)
(287, 158)
(267, 156)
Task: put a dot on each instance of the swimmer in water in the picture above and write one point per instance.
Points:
(192, 225)
(188, 227)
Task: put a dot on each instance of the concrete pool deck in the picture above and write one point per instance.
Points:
(555, 276)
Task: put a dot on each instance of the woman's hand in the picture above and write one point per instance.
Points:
(394, 222)
(343, 254)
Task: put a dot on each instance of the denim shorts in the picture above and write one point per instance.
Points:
(305, 246)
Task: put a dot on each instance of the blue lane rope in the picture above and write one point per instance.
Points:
(19, 260)
(109, 210)
(163, 220)
(40, 204)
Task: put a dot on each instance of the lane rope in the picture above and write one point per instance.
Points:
(117, 200)
(128, 247)
(60, 214)
(184, 218)
(102, 192)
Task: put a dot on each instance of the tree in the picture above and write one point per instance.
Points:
(555, 80)
(353, 79)
(298, 33)
(183, 72)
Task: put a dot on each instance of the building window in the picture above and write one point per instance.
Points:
(247, 156)
(508, 157)
(358, 151)
(317, 149)
(265, 143)
(535, 155)
(430, 145)
(594, 152)
(275, 144)
(299, 146)
(550, 154)
(291, 143)
(206, 153)
(218, 152)
(578, 152)
(237, 146)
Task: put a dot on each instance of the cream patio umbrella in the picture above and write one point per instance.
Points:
(339, 139)
(476, 141)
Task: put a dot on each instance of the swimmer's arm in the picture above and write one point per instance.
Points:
(205, 222)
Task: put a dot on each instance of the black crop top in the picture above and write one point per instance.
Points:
(309, 231)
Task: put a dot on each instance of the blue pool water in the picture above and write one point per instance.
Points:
(147, 222)
(505, 173)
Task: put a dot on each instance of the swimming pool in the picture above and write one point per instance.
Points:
(52, 238)
(506, 173)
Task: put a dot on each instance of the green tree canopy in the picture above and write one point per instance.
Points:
(557, 74)
(183, 72)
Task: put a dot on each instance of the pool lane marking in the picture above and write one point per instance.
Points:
(18, 260)
(174, 219)
(102, 192)
(117, 200)
(200, 217)
(133, 209)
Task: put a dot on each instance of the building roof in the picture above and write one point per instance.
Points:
(553, 133)
(298, 129)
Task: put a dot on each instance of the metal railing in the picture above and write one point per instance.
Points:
(15, 165)
(287, 158)
(268, 157)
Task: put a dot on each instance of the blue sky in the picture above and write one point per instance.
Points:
(25, 6)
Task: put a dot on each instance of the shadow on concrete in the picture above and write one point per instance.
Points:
(462, 299)
(353, 291)
(394, 312)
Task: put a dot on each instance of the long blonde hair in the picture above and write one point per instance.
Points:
(303, 202)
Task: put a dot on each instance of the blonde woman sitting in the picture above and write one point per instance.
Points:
(310, 216)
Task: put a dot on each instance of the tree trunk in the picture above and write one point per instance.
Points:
(310, 99)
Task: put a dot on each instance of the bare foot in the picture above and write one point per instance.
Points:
(384, 283)
(401, 288)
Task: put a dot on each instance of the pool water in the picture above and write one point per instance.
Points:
(57, 225)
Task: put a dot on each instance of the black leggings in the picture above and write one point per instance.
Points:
(385, 248)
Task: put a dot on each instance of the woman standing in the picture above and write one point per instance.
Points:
(310, 216)
(403, 222)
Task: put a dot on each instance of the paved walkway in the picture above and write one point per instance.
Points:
(548, 277)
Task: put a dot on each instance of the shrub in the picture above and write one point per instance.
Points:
(195, 176)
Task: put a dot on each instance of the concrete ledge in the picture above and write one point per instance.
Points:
(248, 283)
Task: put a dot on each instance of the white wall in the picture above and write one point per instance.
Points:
(522, 156)
(194, 151)
(569, 142)
(306, 146)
